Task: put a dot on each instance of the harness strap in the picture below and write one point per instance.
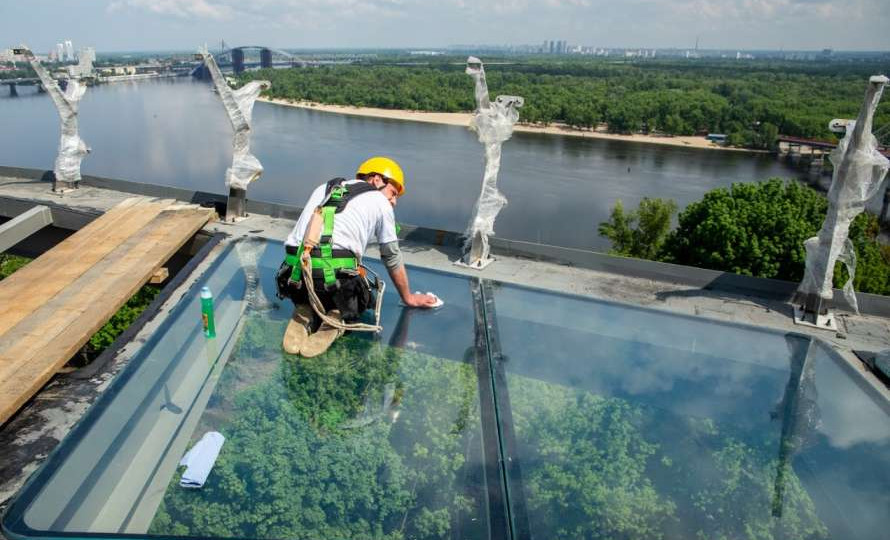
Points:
(323, 256)
(326, 259)
(327, 213)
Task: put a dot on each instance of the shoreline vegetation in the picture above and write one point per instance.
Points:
(463, 119)
(674, 102)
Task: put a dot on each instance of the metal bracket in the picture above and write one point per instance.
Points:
(826, 321)
(24, 225)
(235, 206)
(477, 256)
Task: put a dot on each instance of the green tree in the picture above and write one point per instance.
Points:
(751, 229)
(749, 102)
(640, 233)
(758, 229)
(106, 335)
(11, 263)
(769, 133)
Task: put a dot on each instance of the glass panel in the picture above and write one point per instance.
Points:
(844, 447)
(380, 437)
(631, 423)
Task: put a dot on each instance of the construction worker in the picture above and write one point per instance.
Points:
(330, 238)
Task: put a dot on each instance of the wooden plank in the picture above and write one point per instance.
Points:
(160, 276)
(47, 275)
(71, 246)
(92, 230)
(27, 364)
(97, 283)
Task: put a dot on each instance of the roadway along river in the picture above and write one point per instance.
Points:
(175, 132)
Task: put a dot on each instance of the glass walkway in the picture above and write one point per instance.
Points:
(508, 413)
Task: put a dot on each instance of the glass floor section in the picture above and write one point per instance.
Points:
(509, 413)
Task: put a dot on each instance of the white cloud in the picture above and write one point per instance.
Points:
(197, 9)
(652, 23)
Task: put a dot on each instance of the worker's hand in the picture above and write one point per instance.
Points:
(420, 300)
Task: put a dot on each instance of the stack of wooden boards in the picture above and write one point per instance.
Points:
(51, 307)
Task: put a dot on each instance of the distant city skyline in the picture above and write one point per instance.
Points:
(134, 25)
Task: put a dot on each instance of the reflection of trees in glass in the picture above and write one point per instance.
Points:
(363, 442)
(728, 488)
(584, 463)
(598, 467)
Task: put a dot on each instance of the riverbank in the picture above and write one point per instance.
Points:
(463, 119)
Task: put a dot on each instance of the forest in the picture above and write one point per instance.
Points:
(754, 229)
(750, 101)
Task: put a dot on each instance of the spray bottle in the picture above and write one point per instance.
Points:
(207, 312)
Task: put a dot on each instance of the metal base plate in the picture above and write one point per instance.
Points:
(60, 188)
(478, 264)
(823, 322)
(235, 219)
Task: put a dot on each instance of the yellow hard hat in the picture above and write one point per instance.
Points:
(386, 168)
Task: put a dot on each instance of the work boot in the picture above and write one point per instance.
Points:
(321, 340)
(298, 329)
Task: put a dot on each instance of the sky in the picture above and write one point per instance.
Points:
(132, 25)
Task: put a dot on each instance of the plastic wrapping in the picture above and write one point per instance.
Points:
(249, 251)
(72, 149)
(239, 106)
(859, 171)
(799, 413)
(493, 123)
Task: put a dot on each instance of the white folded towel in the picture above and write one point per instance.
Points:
(200, 459)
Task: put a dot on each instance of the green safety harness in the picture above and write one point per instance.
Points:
(324, 257)
(325, 261)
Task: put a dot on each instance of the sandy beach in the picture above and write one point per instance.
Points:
(463, 119)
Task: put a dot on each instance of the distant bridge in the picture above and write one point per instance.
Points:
(235, 58)
(26, 81)
(815, 144)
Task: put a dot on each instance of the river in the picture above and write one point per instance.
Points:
(175, 132)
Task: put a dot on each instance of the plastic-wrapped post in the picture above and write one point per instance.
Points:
(239, 106)
(859, 169)
(493, 122)
(72, 149)
(249, 251)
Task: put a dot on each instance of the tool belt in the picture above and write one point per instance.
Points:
(352, 292)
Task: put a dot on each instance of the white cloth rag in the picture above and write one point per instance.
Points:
(439, 301)
(200, 459)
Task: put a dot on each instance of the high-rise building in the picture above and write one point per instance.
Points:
(69, 51)
(84, 67)
(60, 52)
(552, 45)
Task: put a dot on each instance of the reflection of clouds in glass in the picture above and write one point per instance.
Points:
(859, 508)
(849, 415)
(688, 384)
(640, 325)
